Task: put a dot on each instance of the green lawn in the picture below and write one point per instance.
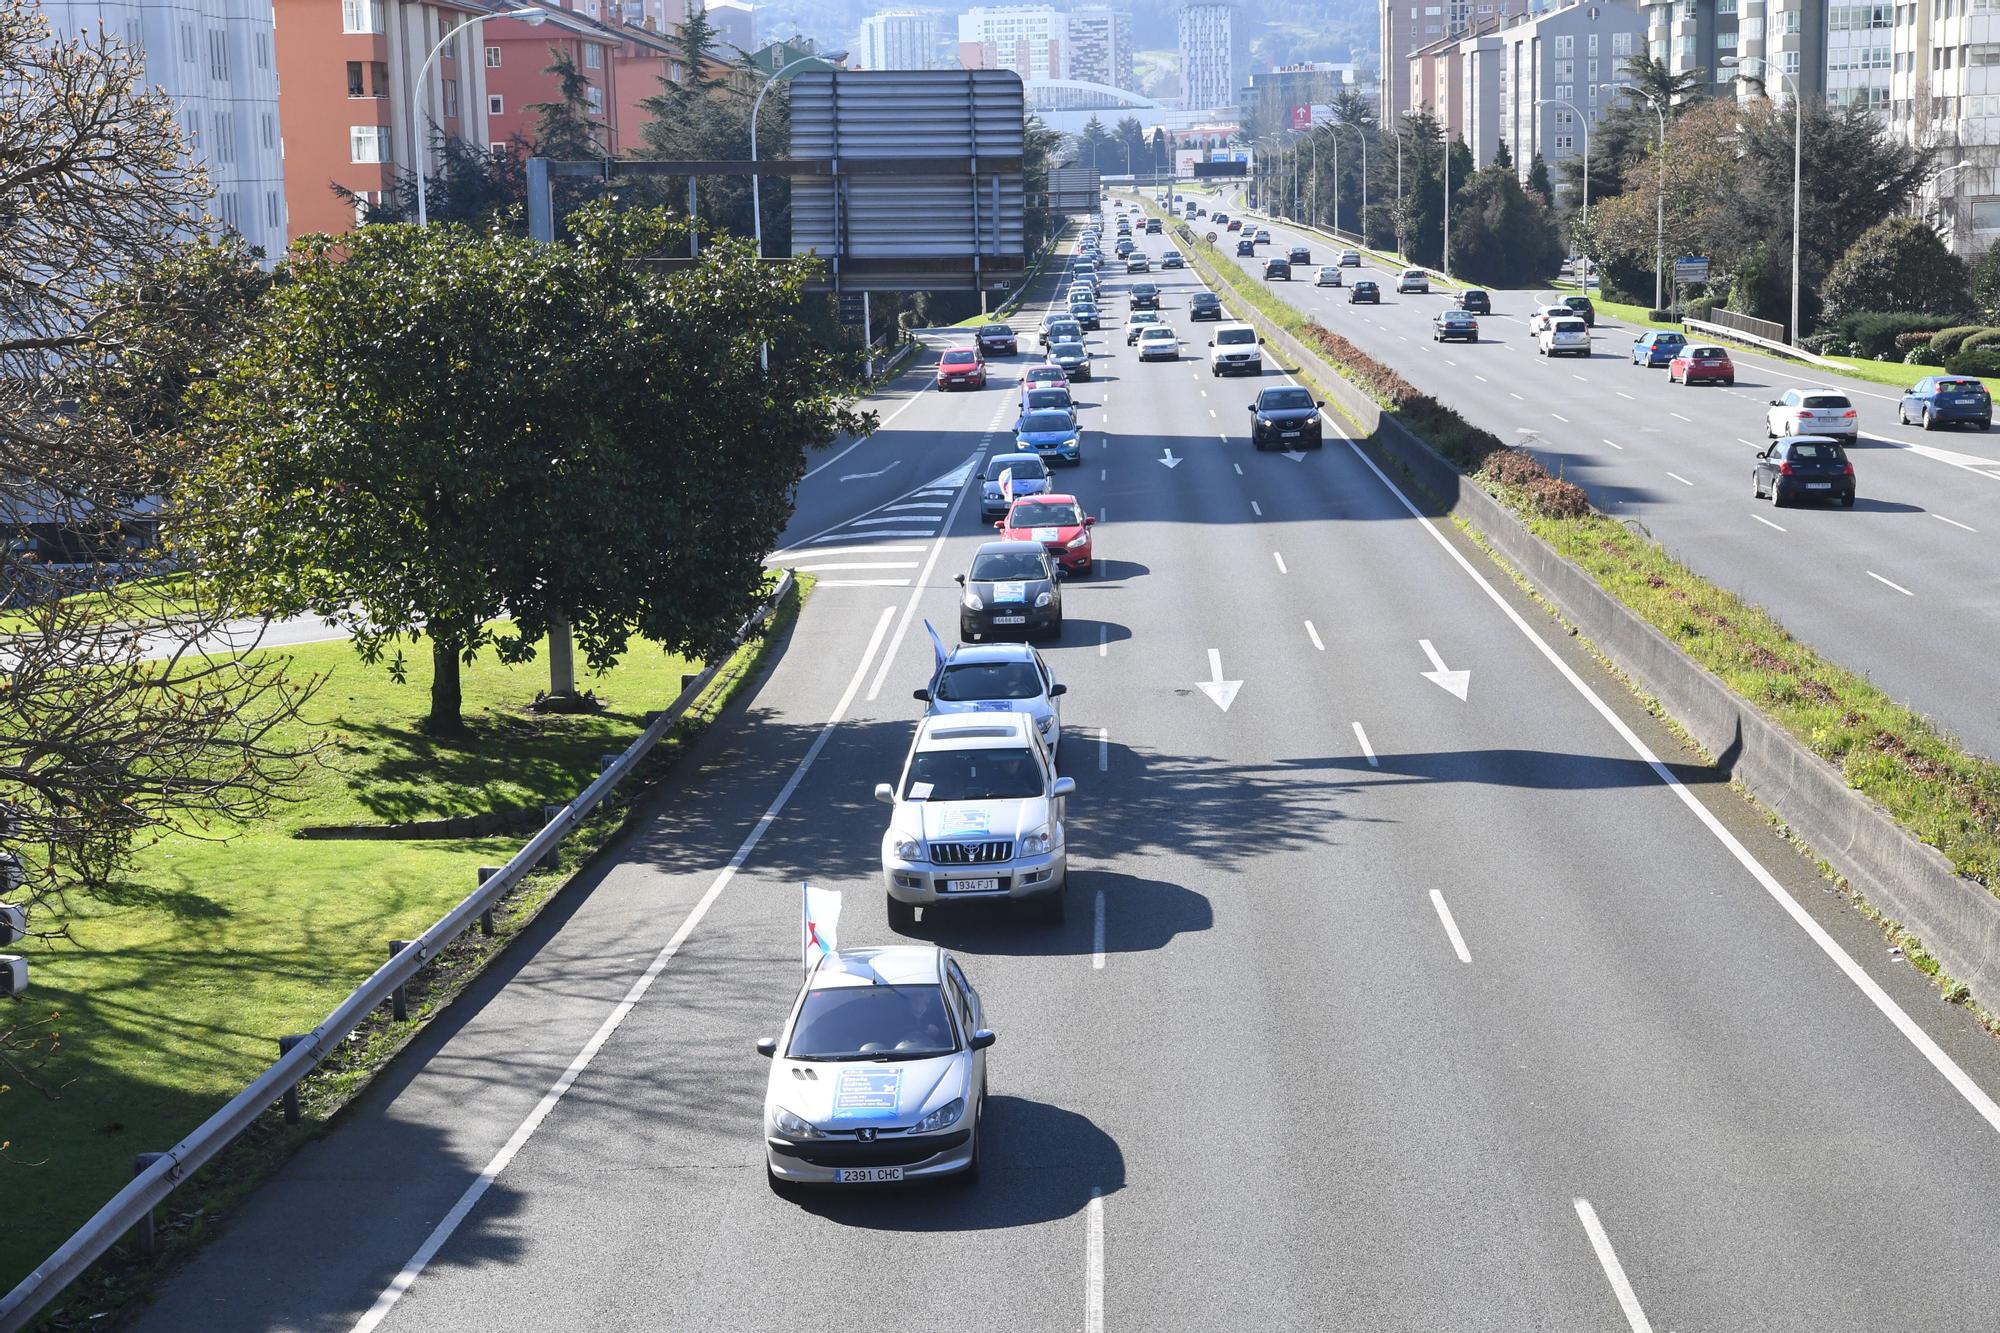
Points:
(140, 599)
(173, 996)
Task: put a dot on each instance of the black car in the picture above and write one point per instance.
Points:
(1300, 255)
(1275, 269)
(1584, 310)
(1803, 467)
(1204, 305)
(1145, 296)
(1447, 325)
(1072, 357)
(1246, 246)
(1364, 290)
(1011, 588)
(1284, 418)
(998, 340)
(1474, 301)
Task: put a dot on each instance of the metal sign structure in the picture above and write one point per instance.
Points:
(1691, 268)
(1074, 189)
(922, 185)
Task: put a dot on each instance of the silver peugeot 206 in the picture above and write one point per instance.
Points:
(880, 1074)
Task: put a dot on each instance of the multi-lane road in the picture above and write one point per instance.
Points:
(1903, 587)
(1388, 999)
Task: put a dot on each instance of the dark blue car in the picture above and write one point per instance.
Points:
(1942, 400)
(1657, 348)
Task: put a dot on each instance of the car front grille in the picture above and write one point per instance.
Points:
(895, 1150)
(971, 853)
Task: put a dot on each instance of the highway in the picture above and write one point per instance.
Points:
(1903, 587)
(1388, 999)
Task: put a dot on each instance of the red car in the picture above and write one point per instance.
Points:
(1058, 523)
(1234, 225)
(1043, 377)
(1695, 363)
(963, 367)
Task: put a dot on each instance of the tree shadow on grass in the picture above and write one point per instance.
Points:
(400, 774)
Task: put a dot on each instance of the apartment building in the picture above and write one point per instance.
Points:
(1212, 42)
(1100, 40)
(1944, 95)
(899, 39)
(1551, 65)
(622, 67)
(217, 60)
(1031, 40)
(1408, 28)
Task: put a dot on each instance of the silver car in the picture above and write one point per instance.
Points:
(998, 678)
(976, 815)
(1814, 410)
(880, 1074)
(1007, 478)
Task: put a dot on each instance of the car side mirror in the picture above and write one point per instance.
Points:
(1211, 342)
(1776, 403)
(921, 696)
(767, 1046)
(960, 578)
(885, 793)
(982, 1038)
(1057, 691)
(1260, 338)
(1061, 574)
(1253, 407)
(1064, 787)
(1090, 520)
(1000, 523)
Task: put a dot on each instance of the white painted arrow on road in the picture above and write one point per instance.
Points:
(1295, 456)
(1169, 460)
(1215, 687)
(1455, 682)
(863, 476)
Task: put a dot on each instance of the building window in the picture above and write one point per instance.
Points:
(1565, 92)
(1565, 143)
(493, 57)
(228, 202)
(1565, 46)
(225, 137)
(593, 57)
(1621, 43)
(1565, 69)
(1725, 41)
(270, 130)
(187, 43)
(1788, 61)
(1789, 20)
(368, 144)
(594, 96)
(1725, 6)
(361, 15)
(194, 125)
(496, 105)
(271, 209)
(1562, 117)
(218, 55)
(450, 87)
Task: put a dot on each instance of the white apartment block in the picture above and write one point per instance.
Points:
(1031, 40)
(1211, 42)
(1550, 71)
(1944, 95)
(1100, 41)
(900, 39)
(214, 59)
(1793, 35)
(1408, 28)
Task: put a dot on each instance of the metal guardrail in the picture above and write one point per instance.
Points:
(1768, 329)
(133, 1206)
(1716, 329)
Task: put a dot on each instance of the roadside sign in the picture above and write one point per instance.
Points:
(851, 308)
(1691, 268)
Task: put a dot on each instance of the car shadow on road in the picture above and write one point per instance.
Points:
(1140, 915)
(1040, 1163)
(1109, 571)
(1528, 770)
(1865, 505)
(1079, 632)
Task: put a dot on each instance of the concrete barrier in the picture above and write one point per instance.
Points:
(1957, 920)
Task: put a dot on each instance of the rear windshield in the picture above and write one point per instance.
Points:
(1006, 567)
(1235, 337)
(1044, 516)
(842, 1022)
(1707, 353)
(975, 775)
(1046, 422)
(1282, 399)
(1814, 452)
(1570, 326)
(1960, 386)
(1668, 339)
(1826, 400)
(964, 682)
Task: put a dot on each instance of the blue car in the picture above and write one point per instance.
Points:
(1942, 400)
(1657, 348)
(1006, 479)
(1049, 435)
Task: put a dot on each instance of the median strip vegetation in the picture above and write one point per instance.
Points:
(1929, 783)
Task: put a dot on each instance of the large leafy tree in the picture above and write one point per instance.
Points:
(564, 128)
(1501, 234)
(1096, 148)
(1898, 264)
(702, 119)
(471, 437)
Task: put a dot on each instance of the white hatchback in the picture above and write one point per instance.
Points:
(1413, 280)
(1815, 410)
(1564, 337)
(1328, 276)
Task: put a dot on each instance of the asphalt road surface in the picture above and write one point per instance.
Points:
(1903, 587)
(1377, 1007)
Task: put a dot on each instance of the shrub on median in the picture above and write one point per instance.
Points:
(1945, 344)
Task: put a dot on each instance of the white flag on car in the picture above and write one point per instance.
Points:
(819, 924)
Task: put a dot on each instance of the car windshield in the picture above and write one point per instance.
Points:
(974, 775)
(1045, 516)
(1144, 317)
(1233, 337)
(998, 331)
(1008, 567)
(966, 682)
(1205, 299)
(1025, 467)
(1283, 399)
(1049, 399)
(860, 1022)
(1811, 451)
(958, 358)
(1046, 422)
(1823, 401)
(1070, 350)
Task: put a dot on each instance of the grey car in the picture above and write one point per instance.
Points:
(1007, 478)
(1072, 356)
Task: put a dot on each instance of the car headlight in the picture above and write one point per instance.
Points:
(1043, 599)
(972, 602)
(1078, 540)
(1266, 421)
(785, 1123)
(907, 849)
(942, 1118)
(1036, 843)
(1069, 443)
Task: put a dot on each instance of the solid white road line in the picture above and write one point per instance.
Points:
(1313, 634)
(1626, 396)
(1103, 749)
(862, 550)
(1450, 927)
(442, 1232)
(1093, 1264)
(1097, 935)
(916, 504)
(1679, 478)
(1367, 750)
(1741, 440)
(1560, 417)
(1897, 586)
(1766, 522)
(1689, 420)
(1614, 1272)
(1974, 1095)
(880, 426)
(1954, 522)
(928, 531)
(1103, 640)
(1281, 563)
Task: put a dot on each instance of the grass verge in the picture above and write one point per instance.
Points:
(1050, 252)
(173, 997)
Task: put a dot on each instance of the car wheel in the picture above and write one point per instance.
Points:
(1930, 420)
(1051, 908)
(969, 1177)
(1756, 487)
(902, 917)
(1729, 383)
(784, 1189)
(1847, 502)
(1777, 497)
(1902, 416)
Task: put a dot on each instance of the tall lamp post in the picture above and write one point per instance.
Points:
(1937, 200)
(1660, 207)
(534, 17)
(757, 195)
(1584, 125)
(1798, 143)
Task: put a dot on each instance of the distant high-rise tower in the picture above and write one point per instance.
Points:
(1031, 40)
(1209, 37)
(1100, 40)
(899, 39)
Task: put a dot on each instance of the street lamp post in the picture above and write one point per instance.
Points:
(1584, 125)
(756, 195)
(1660, 210)
(533, 17)
(1937, 199)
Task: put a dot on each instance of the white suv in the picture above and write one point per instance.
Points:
(976, 815)
(1413, 280)
(1564, 337)
(1235, 350)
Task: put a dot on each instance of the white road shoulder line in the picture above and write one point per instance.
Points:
(1954, 522)
(1093, 1264)
(1886, 583)
(1766, 522)
(1256, 509)
(1097, 935)
(442, 1232)
(1367, 750)
(1614, 1272)
(1450, 927)
(930, 566)
(1679, 478)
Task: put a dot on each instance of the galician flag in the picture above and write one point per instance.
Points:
(819, 924)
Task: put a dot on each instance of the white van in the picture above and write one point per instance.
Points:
(1235, 350)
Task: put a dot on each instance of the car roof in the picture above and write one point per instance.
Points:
(1003, 651)
(1706, 349)
(1809, 439)
(1009, 547)
(1049, 497)
(1016, 456)
(880, 965)
(960, 351)
(1819, 388)
(973, 731)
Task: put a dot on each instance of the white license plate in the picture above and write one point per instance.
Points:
(1819, 485)
(1010, 620)
(1289, 434)
(972, 886)
(867, 1175)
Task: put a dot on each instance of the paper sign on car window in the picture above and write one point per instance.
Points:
(921, 790)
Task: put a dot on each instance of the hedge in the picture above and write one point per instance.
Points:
(1983, 361)
(1872, 333)
(1944, 345)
